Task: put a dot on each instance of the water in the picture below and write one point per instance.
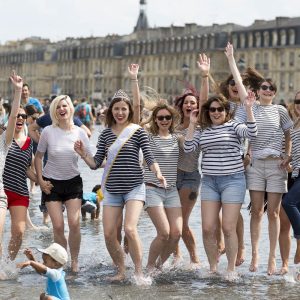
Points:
(172, 283)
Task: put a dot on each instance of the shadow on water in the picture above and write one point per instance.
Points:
(182, 282)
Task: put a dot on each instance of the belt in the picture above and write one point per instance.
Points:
(152, 185)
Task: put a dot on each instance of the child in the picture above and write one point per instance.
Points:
(54, 257)
(91, 203)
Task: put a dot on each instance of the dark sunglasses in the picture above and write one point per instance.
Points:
(297, 101)
(219, 109)
(23, 116)
(231, 82)
(161, 118)
(266, 87)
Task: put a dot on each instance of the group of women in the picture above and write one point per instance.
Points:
(153, 164)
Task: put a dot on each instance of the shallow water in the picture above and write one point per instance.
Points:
(173, 283)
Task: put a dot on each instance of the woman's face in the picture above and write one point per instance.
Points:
(21, 120)
(233, 91)
(120, 112)
(63, 110)
(163, 119)
(217, 113)
(190, 103)
(266, 92)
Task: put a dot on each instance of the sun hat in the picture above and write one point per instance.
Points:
(57, 252)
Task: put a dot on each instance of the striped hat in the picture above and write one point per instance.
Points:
(120, 94)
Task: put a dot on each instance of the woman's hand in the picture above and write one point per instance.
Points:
(161, 179)
(79, 148)
(194, 117)
(46, 186)
(16, 80)
(203, 65)
(229, 50)
(250, 100)
(133, 70)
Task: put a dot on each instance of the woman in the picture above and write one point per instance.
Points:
(223, 184)
(163, 205)
(188, 176)
(16, 170)
(122, 181)
(266, 172)
(6, 137)
(62, 171)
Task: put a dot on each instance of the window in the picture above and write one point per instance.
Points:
(257, 39)
(242, 40)
(282, 37)
(266, 39)
(292, 59)
(291, 37)
(250, 40)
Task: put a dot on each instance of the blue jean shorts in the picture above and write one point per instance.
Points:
(156, 196)
(225, 188)
(138, 193)
(188, 180)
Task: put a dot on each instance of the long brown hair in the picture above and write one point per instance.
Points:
(204, 119)
(180, 100)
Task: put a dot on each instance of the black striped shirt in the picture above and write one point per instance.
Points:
(16, 164)
(295, 136)
(126, 172)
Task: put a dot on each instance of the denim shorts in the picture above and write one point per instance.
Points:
(189, 180)
(156, 196)
(138, 193)
(225, 188)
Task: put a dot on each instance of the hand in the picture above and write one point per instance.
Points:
(203, 64)
(246, 161)
(194, 116)
(28, 253)
(161, 179)
(133, 70)
(229, 50)
(250, 100)
(285, 163)
(23, 264)
(79, 148)
(16, 80)
(46, 186)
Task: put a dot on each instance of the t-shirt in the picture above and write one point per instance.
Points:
(92, 197)
(45, 120)
(56, 284)
(62, 161)
(3, 153)
(16, 164)
(295, 137)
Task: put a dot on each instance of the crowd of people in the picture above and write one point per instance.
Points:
(151, 159)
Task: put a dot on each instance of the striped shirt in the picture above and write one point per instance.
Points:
(166, 152)
(15, 171)
(126, 172)
(295, 137)
(272, 121)
(187, 162)
(62, 163)
(221, 146)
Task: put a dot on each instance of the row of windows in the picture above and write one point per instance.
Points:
(267, 38)
(21, 57)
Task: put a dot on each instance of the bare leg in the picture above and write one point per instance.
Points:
(284, 241)
(111, 217)
(73, 207)
(240, 235)
(220, 237)
(18, 224)
(2, 222)
(229, 222)
(257, 211)
(297, 254)
(210, 215)
(132, 214)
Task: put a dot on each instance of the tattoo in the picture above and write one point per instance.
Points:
(193, 196)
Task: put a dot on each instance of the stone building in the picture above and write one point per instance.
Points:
(95, 67)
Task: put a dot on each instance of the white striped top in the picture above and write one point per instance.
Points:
(166, 152)
(295, 136)
(3, 152)
(221, 146)
(62, 163)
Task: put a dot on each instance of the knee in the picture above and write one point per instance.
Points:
(228, 230)
(273, 215)
(74, 225)
(130, 232)
(163, 235)
(175, 235)
(208, 230)
(59, 228)
(257, 213)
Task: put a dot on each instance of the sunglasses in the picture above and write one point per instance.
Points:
(231, 82)
(214, 109)
(266, 87)
(297, 101)
(23, 116)
(161, 118)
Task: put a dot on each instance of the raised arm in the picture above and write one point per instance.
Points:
(204, 67)
(133, 71)
(235, 72)
(17, 82)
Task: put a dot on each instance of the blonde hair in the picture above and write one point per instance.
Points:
(53, 107)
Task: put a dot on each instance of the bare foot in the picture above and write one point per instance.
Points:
(271, 266)
(254, 264)
(220, 253)
(74, 266)
(117, 278)
(284, 270)
(240, 257)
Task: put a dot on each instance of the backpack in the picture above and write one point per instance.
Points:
(82, 112)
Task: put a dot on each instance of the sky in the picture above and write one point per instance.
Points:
(58, 19)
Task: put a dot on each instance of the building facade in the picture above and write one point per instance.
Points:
(95, 67)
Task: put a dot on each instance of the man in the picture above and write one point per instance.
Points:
(84, 112)
(27, 100)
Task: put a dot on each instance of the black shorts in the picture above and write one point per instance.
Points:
(64, 190)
